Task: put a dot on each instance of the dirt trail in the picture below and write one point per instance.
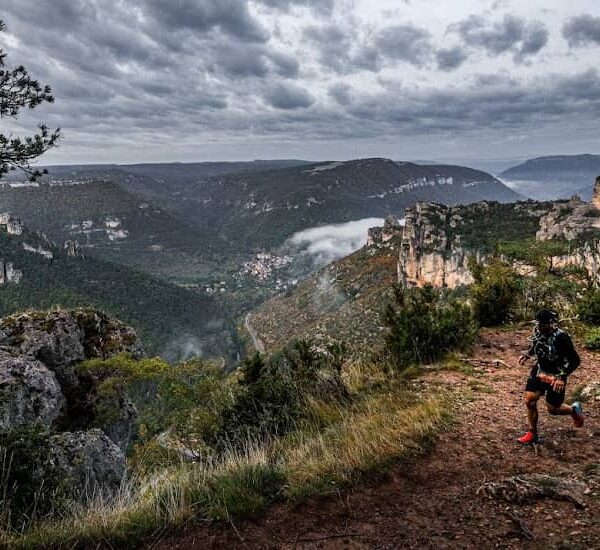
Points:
(433, 503)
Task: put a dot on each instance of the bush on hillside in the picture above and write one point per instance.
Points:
(592, 339)
(274, 390)
(30, 488)
(424, 325)
(539, 254)
(495, 292)
(187, 399)
(589, 307)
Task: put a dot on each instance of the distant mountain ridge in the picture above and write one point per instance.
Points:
(554, 177)
(258, 205)
(199, 225)
(262, 209)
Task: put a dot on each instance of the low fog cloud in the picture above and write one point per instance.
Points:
(328, 243)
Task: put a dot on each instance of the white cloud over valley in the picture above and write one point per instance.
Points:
(328, 243)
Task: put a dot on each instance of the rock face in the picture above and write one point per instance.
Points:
(40, 385)
(8, 273)
(570, 220)
(437, 241)
(12, 226)
(380, 235)
(89, 461)
(428, 253)
(596, 197)
(29, 393)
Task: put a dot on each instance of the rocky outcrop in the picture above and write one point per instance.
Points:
(12, 226)
(437, 241)
(430, 253)
(8, 273)
(29, 393)
(380, 235)
(72, 248)
(569, 220)
(40, 385)
(88, 462)
(48, 254)
(596, 197)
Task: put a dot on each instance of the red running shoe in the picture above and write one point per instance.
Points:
(577, 414)
(528, 439)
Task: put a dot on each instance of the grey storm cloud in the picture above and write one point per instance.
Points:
(342, 50)
(341, 93)
(288, 96)
(450, 58)
(405, 43)
(138, 72)
(322, 6)
(491, 101)
(231, 16)
(510, 34)
(241, 60)
(582, 30)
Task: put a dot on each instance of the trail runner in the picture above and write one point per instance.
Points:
(556, 359)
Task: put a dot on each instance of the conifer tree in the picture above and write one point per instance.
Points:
(18, 90)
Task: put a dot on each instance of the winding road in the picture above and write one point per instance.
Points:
(256, 341)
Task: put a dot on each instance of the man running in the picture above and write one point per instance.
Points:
(556, 358)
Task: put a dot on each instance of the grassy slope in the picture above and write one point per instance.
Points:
(344, 300)
(384, 425)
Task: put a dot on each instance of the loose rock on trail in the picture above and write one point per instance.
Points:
(434, 501)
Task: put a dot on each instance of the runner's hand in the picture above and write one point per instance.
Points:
(558, 385)
(523, 359)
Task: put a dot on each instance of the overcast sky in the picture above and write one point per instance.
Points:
(193, 80)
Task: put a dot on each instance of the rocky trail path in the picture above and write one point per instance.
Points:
(434, 502)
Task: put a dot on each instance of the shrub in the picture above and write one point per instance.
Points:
(187, 399)
(589, 307)
(592, 339)
(30, 488)
(495, 291)
(274, 391)
(424, 325)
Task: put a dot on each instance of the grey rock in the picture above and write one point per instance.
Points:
(89, 463)
(62, 339)
(29, 393)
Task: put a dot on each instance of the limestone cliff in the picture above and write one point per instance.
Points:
(8, 273)
(11, 225)
(432, 251)
(570, 220)
(437, 241)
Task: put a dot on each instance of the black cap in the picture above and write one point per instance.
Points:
(546, 316)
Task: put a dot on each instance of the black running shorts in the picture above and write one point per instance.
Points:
(534, 384)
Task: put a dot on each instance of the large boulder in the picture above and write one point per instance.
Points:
(60, 339)
(56, 342)
(67, 434)
(41, 388)
(29, 393)
(88, 463)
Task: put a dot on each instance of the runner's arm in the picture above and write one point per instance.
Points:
(571, 357)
